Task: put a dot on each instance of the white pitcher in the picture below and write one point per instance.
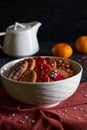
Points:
(21, 39)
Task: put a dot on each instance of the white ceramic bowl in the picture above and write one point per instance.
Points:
(45, 94)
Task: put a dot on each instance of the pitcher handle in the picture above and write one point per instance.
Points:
(2, 33)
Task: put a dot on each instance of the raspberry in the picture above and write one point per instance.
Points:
(56, 75)
(40, 60)
(41, 69)
(43, 78)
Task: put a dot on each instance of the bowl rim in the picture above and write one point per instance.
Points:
(59, 81)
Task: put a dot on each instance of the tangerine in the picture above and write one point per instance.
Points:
(62, 50)
(81, 44)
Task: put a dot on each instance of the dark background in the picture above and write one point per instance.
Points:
(62, 20)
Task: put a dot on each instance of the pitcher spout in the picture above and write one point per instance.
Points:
(35, 26)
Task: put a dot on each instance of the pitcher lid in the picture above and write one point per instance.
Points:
(18, 27)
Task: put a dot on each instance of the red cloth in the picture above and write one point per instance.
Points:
(70, 114)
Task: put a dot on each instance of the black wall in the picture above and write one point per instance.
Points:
(62, 20)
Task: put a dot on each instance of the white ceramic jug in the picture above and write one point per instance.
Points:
(21, 39)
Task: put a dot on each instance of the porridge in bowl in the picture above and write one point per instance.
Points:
(40, 69)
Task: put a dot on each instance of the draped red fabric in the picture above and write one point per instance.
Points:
(70, 114)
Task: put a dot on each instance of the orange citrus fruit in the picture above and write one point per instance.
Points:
(81, 44)
(62, 50)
